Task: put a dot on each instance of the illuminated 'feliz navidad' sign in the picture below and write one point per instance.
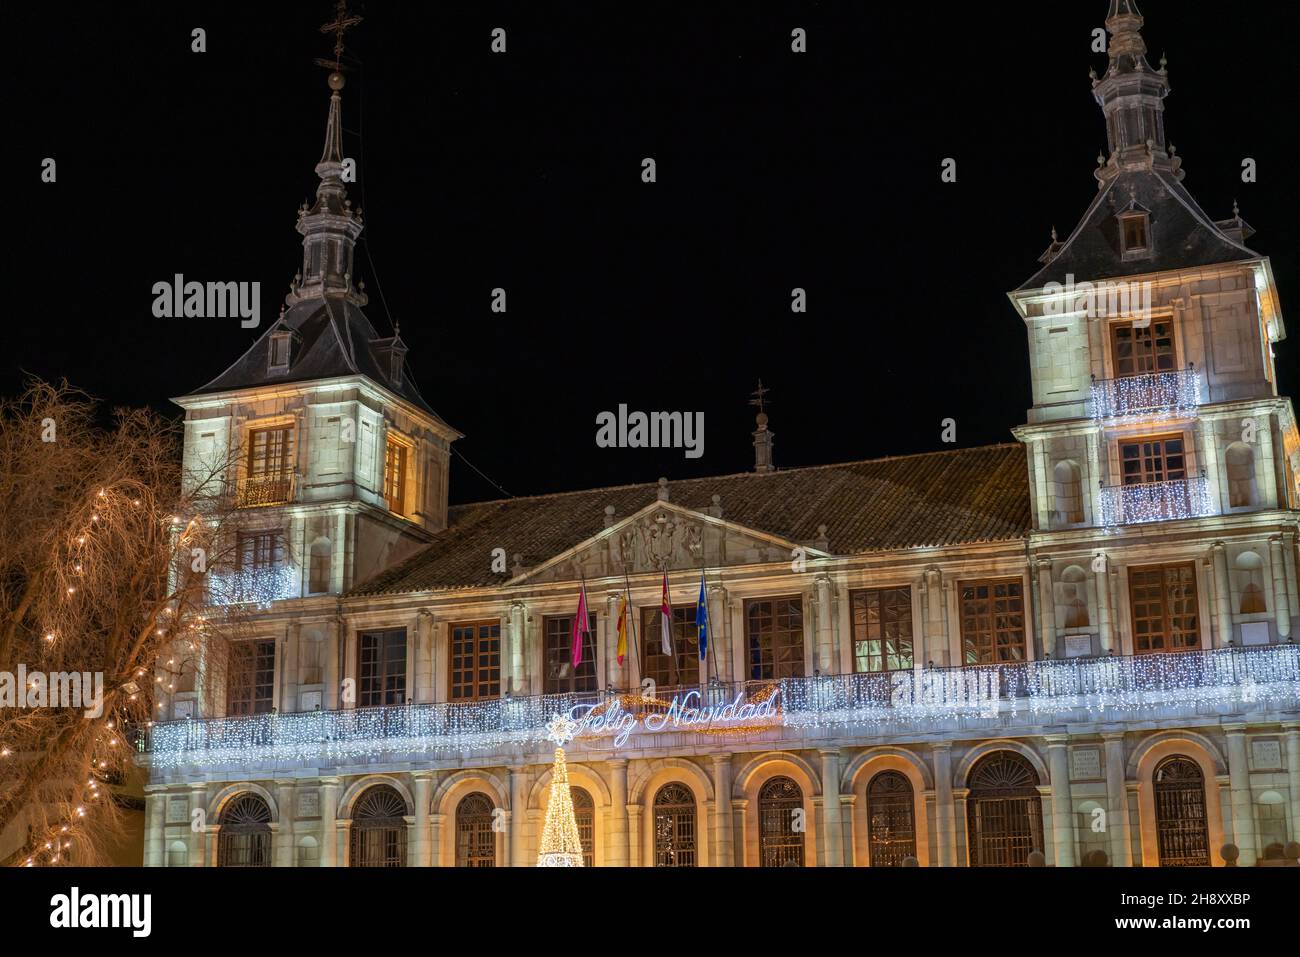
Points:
(686, 712)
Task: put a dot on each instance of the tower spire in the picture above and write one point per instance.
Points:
(1131, 95)
(330, 226)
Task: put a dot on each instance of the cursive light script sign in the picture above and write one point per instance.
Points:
(686, 712)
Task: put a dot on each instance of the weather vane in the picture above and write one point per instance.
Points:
(759, 397)
(342, 22)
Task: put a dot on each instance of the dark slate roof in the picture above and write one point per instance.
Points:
(336, 339)
(913, 501)
(1183, 235)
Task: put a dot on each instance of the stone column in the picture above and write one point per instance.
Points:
(1281, 600)
(1046, 607)
(1117, 823)
(619, 850)
(330, 697)
(287, 700)
(436, 824)
(723, 853)
(719, 635)
(1292, 746)
(1105, 624)
(155, 817)
(419, 852)
(198, 839)
(349, 668)
(282, 839)
(1222, 598)
(936, 636)
(636, 855)
(517, 648)
(945, 812)
(1058, 765)
(329, 802)
(518, 802)
(832, 829)
(1243, 818)
(825, 625)
(422, 662)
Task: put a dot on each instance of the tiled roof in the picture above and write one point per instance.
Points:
(912, 501)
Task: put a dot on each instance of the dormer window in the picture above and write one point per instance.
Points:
(281, 346)
(1135, 234)
(396, 359)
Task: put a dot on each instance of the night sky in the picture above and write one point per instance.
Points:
(522, 170)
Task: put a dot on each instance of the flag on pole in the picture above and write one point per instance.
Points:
(666, 621)
(702, 618)
(580, 626)
(622, 629)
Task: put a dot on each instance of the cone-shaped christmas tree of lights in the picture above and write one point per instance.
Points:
(561, 844)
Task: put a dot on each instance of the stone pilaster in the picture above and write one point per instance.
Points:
(1292, 747)
(1243, 818)
(1046, 607)
(1117, 820)
(518, 801)
(420, 855)
(945, 811)
(825, 625)
(517, 648)
(282, 839)
(329, 802)
(723, 853)
(1105, 618)
(1058, 765)
(832, 823)
(618, 853)
(1222, 598)
(1281, 600)
(155, 833)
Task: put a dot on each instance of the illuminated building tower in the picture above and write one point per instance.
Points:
(1156, 416)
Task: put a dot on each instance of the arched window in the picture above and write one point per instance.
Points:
(674, 825)
(1004, 811)
(177, 854)
(1240, 460)
(584, 812)
(245, 837)
(319, 566)
(476, 842)
(891, 825)
(1249, 568)
(1072, 596)
(1182, 835)
(379, 829)
(1067, 489)
(780, 805)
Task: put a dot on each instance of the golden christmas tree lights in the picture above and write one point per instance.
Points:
(561, 844)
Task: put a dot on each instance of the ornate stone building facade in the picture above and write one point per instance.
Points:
(1082, 642)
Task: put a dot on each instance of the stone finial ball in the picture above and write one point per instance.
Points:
(336, 81)
(911, 862)
(1292, 851)
(1036, 859)
(762, 418)
(1229, 853)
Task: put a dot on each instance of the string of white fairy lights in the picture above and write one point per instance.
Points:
(923, 698)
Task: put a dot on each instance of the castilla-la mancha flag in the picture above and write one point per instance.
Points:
(580, 626)
(666, 621)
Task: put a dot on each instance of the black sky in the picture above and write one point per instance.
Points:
(775, 170)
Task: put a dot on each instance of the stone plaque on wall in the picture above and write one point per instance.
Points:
(1266, 753)
(1078, 646)
(1254, 633)
(1085, 764)
(178, 810)
(309, 804)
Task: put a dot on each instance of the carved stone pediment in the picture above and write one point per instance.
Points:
(664, 537)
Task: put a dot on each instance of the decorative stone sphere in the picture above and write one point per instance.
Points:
(1292, 851)
(1036, 859)
(911, 862)
(762, 418)
(336, 81)
(1229, 853)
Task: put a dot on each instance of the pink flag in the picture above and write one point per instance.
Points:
(580, 627)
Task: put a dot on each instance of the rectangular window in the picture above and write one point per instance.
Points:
(882, 629)
(1135, 233)
(270, 451)
(1138, 350)
(1163, 599)
(260, 551)
(774, 638)
(1156, 459)
(395, 476)
(381, 667)
(251, 680)
(561, 676)
(682, 667)
(475, 661)
(279, 351)
(992, 621)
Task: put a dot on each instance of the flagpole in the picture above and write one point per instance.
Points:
(631, 612)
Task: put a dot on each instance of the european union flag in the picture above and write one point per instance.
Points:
(702, 618)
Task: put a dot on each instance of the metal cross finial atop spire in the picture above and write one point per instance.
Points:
(342, 22)
(759, 397)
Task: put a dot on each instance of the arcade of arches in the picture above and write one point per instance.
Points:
(1168, 799)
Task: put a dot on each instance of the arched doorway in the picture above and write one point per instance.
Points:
(378, 829)
(245, 839)
(780, 807)
(674, 826)
(1004, 813)
(1182, 831)
(476, 842)
(891, 822)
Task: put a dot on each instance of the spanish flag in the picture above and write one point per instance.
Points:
(622, 629)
